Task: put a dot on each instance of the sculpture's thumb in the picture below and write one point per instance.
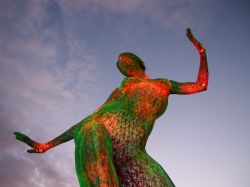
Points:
(31, 151)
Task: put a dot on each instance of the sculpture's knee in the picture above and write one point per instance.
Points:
(96, 139)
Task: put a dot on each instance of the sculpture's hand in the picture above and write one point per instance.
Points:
(36, 147)
(189, 34)
(196, 43)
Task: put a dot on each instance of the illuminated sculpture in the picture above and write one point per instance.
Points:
(110, 143)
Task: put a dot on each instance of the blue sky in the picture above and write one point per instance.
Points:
(58, 64)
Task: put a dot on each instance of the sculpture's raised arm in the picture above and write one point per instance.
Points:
(201, 83)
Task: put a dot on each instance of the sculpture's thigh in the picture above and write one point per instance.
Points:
(93, 156)
(144, 171)
(157, 176)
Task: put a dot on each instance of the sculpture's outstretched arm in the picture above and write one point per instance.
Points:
(43, 147)
(66, 136)
(201, 83)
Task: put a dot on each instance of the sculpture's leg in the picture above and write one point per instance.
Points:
(142, 170)
(94, 158)
(160, 178)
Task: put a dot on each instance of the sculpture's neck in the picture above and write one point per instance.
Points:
(139, 74)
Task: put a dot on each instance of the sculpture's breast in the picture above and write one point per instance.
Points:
(148, 97)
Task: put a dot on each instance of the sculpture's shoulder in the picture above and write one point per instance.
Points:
(130, 83)
(128, 80)
(116, 94)
(163, 80)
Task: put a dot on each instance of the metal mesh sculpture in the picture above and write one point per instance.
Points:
(110, 143)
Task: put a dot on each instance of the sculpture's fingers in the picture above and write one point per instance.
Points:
(31, 151)
(197, 44)
(23, 138)
(188, 30)
(189, 34)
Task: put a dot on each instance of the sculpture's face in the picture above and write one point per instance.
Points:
(129, 64)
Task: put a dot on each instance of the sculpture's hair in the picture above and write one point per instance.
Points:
(140, 61)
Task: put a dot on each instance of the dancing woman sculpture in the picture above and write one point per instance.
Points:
(110, 143)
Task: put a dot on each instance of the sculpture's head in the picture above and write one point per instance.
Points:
(130, 65)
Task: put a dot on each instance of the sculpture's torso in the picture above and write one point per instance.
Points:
(129, 121)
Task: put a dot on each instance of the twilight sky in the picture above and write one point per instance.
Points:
(58, 64)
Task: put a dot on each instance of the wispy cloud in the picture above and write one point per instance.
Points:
(42, 72)
(165, 13)
(47, 64)
(43, 68)
(22, 169)
(52, 56)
